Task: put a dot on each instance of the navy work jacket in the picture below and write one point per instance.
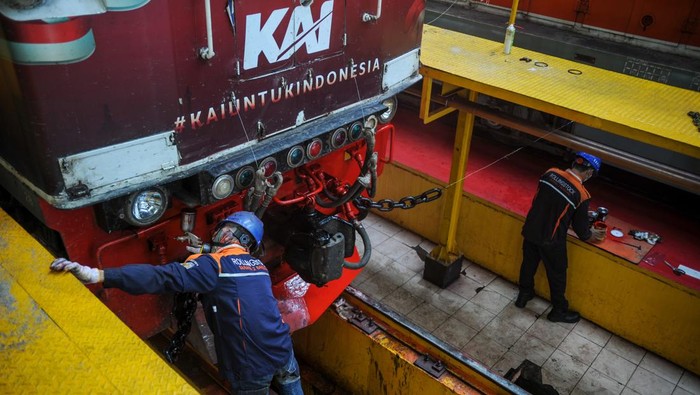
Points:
(561, 201)
(251, 339)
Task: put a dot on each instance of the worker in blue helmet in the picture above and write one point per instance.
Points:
(253, 344)
(242, 226)
(585, 161)
(561, 201)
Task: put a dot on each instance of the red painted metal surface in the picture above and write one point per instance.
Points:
(674, 22)
(147, 315)
(43, 32)
(278, 67)
(145, 77)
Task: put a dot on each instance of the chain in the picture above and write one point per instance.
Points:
(184, 309)
(405, 203)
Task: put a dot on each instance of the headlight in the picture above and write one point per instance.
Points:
(392, 105)
(146, 207)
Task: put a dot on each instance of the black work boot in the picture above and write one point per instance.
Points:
(568, 316)
(522, 300)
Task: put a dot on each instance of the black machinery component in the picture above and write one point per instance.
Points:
(315, 244)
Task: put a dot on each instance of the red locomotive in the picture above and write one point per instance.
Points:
(127, 123)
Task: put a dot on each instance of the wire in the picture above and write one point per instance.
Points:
(359, 99)
(506, 156)
(443, 13)
(252, 151)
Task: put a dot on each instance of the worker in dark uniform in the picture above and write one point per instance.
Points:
(561, 201)
(253, 344)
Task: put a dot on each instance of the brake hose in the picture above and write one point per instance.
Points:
(356, 188)
(270, 192)
(366, 254)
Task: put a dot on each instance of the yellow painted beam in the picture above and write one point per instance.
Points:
(636, 304)
(427, 114)
(631, 107)
(383, 362)
(57, 337)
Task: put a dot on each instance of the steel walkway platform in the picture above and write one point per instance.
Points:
(631, 107)
(640, 305)
(57, 337)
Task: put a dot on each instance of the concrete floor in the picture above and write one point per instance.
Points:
(476, 315)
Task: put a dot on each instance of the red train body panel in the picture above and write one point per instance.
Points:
(675, 22)
(117, 119)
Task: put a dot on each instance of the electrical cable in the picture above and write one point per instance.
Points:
(245, 132)
(443, 13)
(506, 156)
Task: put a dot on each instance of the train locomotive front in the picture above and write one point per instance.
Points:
(130, 126)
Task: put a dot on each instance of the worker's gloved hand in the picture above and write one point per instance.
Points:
(191, 239)
(597, 234)
(194, 249)
(87, 275)
(203, 248)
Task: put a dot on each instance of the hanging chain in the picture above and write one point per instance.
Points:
(184, 309)
(405, 203)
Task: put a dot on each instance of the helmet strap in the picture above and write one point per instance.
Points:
(243, 237)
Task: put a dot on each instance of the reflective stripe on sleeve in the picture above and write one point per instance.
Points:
(243, 274)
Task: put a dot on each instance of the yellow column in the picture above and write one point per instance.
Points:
(513, 12)
(453, 203)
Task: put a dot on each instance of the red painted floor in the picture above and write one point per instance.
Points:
(511, 182)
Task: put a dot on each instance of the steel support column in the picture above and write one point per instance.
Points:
(446, 251)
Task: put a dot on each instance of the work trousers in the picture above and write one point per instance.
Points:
(287, 381)
(555, 263)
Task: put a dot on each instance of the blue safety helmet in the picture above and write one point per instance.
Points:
(249, 222)
(587, 160)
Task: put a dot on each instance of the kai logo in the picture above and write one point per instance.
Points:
(302, 31)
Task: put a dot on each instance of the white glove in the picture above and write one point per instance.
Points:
(194, 249)
(87, 275)
(190, 238)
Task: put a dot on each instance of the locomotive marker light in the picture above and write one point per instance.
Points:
(222, 187)
(339, 138)
(371, 122)
(245, 177)
(392, 105)
(295, 157)
(313, 150)
(355, 130)
(269, 166)
(146, 207)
